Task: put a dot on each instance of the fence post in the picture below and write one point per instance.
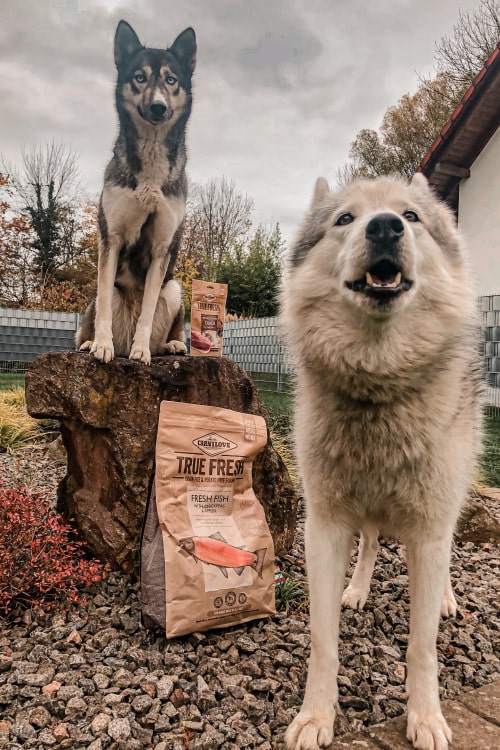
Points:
(279, 382)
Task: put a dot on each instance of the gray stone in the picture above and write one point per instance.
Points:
(99, 724)
(164, 688)
(142, 703)
(66, 692)
(23, 730)
(119, 729)
(39, 717)
(74, 706)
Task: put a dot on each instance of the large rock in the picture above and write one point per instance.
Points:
(478, 522)
(109, 414)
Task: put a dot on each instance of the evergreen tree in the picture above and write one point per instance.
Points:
(253, 273)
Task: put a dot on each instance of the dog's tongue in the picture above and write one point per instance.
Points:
(391, 281)
(383, 282)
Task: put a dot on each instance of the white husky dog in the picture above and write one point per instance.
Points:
(379, 309)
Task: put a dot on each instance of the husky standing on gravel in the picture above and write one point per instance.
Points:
(379, 309)
(138, 308)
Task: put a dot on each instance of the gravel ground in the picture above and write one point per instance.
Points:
(94, 678)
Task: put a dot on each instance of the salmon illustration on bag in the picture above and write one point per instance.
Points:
(214, 550)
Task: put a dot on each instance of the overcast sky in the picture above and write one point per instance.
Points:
(281, 86)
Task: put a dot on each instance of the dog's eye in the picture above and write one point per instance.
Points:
(171, 80)
(411, 215)
(140, 78)
(344, 219)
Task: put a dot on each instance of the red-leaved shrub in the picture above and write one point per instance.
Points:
(40, 560)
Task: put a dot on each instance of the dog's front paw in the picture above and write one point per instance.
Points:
(140, 353)
(86, 346)
(354, 597)
(428, 730)
(175, 347)
(103, 349)
(310, 730)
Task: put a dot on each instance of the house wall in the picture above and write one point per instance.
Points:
(479, 215)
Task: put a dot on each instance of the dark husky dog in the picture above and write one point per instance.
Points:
(138, 308)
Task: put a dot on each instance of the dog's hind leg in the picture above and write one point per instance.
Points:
(449, 603)
(328, 546)
(85, 335)
(428, 566)
(174, 335)
(357, 591)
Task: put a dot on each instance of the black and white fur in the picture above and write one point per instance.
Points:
(138, 307)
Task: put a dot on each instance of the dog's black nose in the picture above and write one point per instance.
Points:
(385, 229)
(157, 109)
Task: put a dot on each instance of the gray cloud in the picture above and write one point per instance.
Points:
(281, 86)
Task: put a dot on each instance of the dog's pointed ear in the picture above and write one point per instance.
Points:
(321, 189)
(419, 180)
(184, 48)
(127, 43)
(420, 184)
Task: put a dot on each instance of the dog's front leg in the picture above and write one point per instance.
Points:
(327, 552)
(102, 345)
(167, 220)
(141, 344)
(428, 565)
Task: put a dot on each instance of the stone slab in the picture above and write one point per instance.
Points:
(485, 701)
(470, 731)
(353, 742)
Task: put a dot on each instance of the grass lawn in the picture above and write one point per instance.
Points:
(279, 404)
(490, 460)
(11, 380)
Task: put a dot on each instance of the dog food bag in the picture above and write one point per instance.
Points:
(207, 556)
(208, 311)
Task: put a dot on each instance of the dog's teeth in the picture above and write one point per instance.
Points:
(383, 284)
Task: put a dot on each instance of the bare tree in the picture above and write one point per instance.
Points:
(218, 216)
(463, 53)
(46, 187)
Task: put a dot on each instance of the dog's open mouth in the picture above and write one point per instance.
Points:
(383, 281)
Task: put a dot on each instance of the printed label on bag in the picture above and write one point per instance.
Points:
(219, 553)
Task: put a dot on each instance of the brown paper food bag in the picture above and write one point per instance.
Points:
(207, 556)
(208, 311)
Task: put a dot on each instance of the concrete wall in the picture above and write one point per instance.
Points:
(479, 215)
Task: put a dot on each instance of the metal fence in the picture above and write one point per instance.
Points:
(490, 348)
(24, 334)
(255, 345)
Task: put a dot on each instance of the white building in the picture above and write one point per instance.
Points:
(463, 165)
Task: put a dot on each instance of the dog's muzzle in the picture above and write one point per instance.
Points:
(383, 279)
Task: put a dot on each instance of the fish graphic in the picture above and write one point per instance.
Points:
(214, 550)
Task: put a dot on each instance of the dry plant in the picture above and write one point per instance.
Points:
(17, 428)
